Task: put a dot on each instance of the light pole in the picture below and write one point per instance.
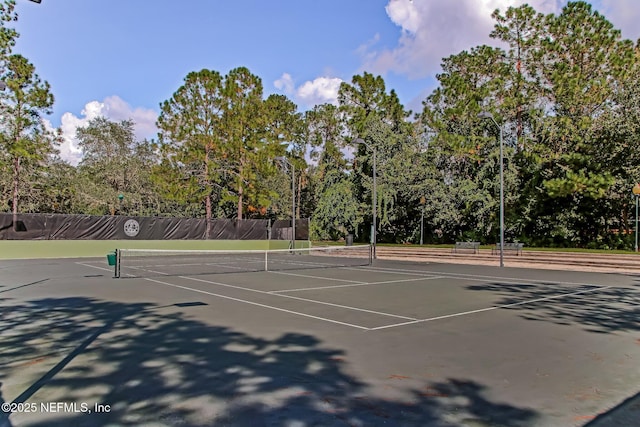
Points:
(374, 200)
(487, 115)
(423, 200)
(636, 192)
(286, 161)
(120, 198)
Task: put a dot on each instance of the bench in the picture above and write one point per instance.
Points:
(508, 247)
(473, 246)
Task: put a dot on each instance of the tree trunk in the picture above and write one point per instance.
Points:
(207, 200)
(299, 196)
(207, 203)
(16, 191)
(240, 193)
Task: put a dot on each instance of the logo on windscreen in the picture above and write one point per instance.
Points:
(131, 228)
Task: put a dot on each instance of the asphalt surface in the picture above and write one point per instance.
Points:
(395, 344)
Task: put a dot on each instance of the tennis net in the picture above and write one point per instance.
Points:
(164, 262)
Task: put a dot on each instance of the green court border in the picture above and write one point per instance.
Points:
(36, 249)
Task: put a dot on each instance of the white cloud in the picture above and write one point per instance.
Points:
(285, 83)
(114, 108)
(405, 14)
(321, 90)
(432, 30)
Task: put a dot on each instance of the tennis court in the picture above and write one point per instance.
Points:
(332, 340)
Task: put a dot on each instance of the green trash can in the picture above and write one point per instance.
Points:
(349, 240)
(111, 258)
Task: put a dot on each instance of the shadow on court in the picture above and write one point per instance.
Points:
(154, 366)
(614, 309)
(625, 414)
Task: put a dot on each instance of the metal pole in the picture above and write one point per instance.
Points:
(293, 205)
(636, 223)
(375, 202)
(487, 115)
(501, 198)
(421, 224)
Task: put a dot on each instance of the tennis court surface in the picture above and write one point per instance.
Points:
(342, 344)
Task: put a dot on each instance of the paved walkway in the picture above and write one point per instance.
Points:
(573, 261)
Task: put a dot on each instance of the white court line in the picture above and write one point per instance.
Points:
(162, 273)
(297, 298)
(94, 266)
(352, 285)
(474, 277)
(465, 313)
(258, 304)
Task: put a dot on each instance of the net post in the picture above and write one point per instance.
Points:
(269, 233)
(116, 271)
(266, 260)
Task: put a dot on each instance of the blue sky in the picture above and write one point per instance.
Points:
(122, 58)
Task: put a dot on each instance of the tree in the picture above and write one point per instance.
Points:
(380, 120)
(191, 129)
(324, 133)
(554, 90)
(586, 64)
(23, 136)
(116, 164)
(252, 132)
(8, 35)
(283, 130)
(56, 188)
(219, 139)
(338, 211)
(523, 83)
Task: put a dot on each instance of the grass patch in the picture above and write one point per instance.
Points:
(23, 249)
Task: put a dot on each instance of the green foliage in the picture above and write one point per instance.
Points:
(8, 35)
(591, 185)
(338, 211)
(24, 141)
(380, 120)
(219, 140)
(114, 163)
